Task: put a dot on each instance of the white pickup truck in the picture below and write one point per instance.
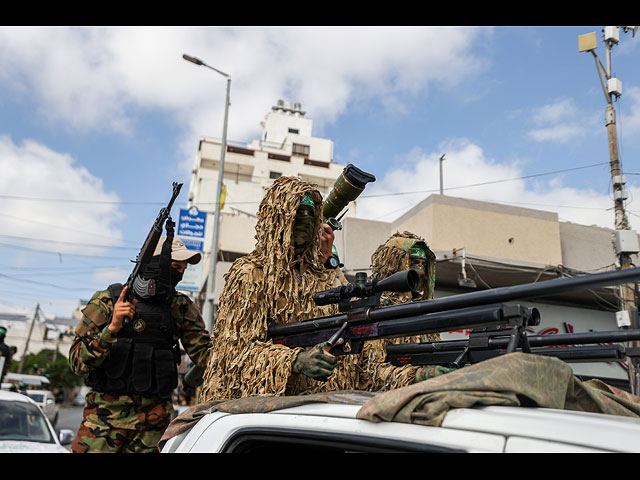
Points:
(331, 426)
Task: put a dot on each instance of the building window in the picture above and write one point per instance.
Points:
(274, 175)
(300, 150)
(294, 130)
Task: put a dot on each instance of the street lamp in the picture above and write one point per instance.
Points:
(208, 310)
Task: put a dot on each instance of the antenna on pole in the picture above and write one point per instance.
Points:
(441, 183)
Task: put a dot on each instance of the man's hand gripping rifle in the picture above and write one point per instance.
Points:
(364, 319)
(137, 286)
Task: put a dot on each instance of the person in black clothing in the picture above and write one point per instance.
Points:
(5, 351)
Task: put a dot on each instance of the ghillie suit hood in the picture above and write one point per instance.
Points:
(393, 256)
(270, 284)
(389, 258)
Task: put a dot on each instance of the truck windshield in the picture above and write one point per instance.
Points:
(23, 421)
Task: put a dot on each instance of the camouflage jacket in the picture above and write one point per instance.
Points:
(93, 340)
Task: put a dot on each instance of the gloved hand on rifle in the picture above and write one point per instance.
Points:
(430, 371)
(316, 362)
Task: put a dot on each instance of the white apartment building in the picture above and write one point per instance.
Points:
(286, 147)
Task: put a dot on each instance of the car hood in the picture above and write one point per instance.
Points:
(14, 446)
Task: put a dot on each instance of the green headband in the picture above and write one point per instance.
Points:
(3, 331)
(418, 251)
(308, 200)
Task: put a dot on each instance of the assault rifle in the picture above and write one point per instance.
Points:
(364, 319)
(144, 288)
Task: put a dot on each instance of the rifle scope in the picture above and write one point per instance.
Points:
(405, 281)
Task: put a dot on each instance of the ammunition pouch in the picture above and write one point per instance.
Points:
(144, 358)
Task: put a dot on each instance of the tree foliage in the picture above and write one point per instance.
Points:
(51, 364)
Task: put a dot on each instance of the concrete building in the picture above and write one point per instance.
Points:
(490, 245)
(34, 336)
(287, 147)
(494, 245)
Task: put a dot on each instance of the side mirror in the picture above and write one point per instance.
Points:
(65, 436)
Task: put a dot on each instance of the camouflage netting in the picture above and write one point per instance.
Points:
(261, 287)
(514, 379)
(270, 284)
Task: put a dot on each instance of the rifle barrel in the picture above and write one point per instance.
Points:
(473, 317)
(585, 353)
(497, 342)
(464, 300)
(504, 294)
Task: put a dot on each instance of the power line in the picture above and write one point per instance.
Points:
(486, 183)
(35, 282)
(67, 243)
(20, 247)
(22, 197)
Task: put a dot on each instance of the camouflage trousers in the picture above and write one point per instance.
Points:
(121, 424)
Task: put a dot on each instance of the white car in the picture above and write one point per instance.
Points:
(334, 428)
(47, 402)
(25, 429)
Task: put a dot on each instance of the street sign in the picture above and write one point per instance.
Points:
(191, 229)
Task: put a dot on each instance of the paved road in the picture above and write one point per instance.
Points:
(69, 417)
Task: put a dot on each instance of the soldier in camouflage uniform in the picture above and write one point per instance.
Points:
(276, 283)
(132, 376)
(403, 251)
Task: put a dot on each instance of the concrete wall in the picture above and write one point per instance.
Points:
(358, 240)
(586, 248)
(483, 229)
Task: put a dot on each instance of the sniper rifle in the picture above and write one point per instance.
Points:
(363, 319)
(486, 343)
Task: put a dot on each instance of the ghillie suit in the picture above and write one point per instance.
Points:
(272, 283)
(391, 257)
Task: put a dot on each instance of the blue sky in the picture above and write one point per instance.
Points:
(95, 124)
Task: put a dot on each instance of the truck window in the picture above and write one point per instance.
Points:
(274, 440)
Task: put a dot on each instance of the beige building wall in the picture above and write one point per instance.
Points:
(488, 230)
(587, 248)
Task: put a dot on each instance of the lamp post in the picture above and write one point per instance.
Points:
(209, 310)
(625, 240)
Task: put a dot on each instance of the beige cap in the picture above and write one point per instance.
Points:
(179, 251)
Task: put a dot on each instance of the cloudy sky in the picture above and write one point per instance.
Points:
(95, 124)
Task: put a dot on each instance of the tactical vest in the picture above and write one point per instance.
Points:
(144, 359)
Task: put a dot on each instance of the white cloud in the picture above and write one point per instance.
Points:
(557, 122)
(92, 78)
(105, 276)
(33, 170)
(467, 164)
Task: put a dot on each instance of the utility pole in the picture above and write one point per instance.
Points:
(26, 345)
(625, 240)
